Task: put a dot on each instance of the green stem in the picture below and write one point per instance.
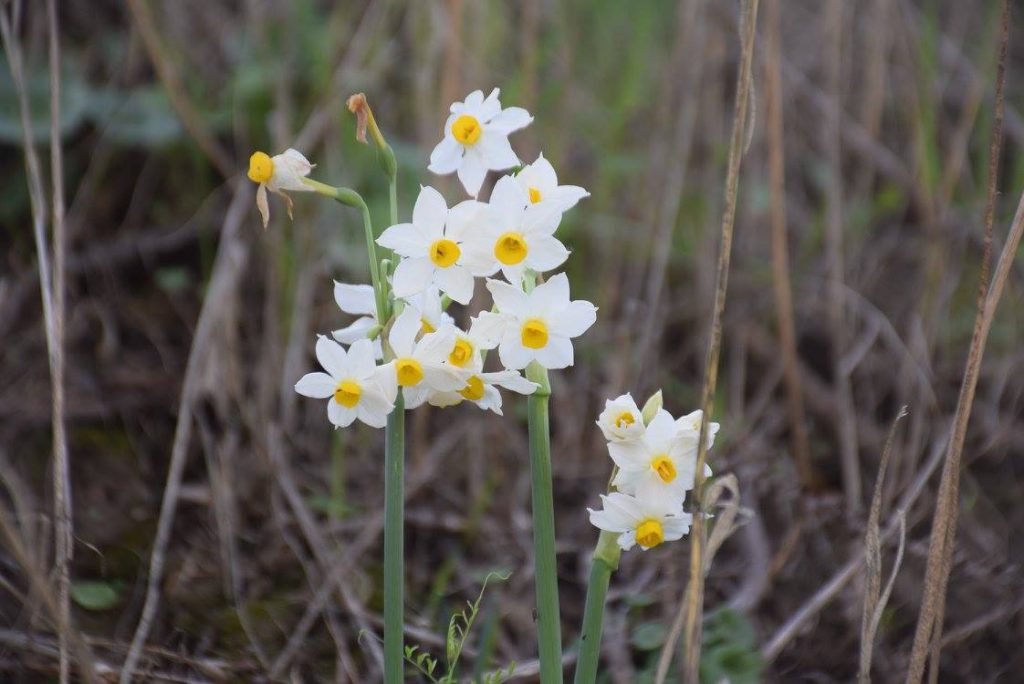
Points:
(549, 629)
(606, 561)
(394, 543)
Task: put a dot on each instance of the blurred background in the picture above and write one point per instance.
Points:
(187, 326)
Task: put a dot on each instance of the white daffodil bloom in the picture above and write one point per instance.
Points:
(482, 390)
(354, 385)
(660, 459)
(514, 235)
(689, 428)
(420, 367)
(534, 327)
(431, 247)
(647, 521)
(357, 300)
(540, 182)
(621, 420)
(281, 172)
(476, 139)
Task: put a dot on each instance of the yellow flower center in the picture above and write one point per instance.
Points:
(534, 333)
(624, 419)
(665, 468)
(510, 248)
(474, 389)
(261, 167)
(461, 353)
(444, 252)
(409, 372)
(425, 327)
(347, 393)
(535, 195)
(650, 533)
(466, 129)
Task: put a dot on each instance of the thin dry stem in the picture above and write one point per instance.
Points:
(873, 558)
(694, 600)
(927, 636)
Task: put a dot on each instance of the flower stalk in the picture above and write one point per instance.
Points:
(606, 561)
(394, 543)
(549, 630)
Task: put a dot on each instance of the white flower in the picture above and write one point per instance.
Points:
(357, 300)
(278, 173)
(482, 390)
(647, 521)
(515, 235)
(354, 385)
(534, 327)
(689, 428)
(540, 182)
(432, 247)
(476, 139)
(621, 420)
(420, 367)
(660, 460)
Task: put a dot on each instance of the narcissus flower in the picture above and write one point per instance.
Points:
(514, 235)
(354, 385)
(476, 139)
(689, 428)
(660, 459)
(647, 521)
(482, 390)
(281, 172)
(432, 247)
(534, 327)
(540, 182)
(419, 366)
(621, 420)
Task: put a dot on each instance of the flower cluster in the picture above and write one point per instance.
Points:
(655, 460)
(442, 251)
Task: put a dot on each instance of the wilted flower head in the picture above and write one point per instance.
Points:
(281, 172)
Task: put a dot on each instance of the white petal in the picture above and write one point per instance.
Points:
(332, 357)
(566, 197)
(463, 219)
(361, 359)
(430, 212)
(413, 276)
(629, 456)
(415, 396)
(339, 415)
(355, 299)
(444, 378)
(556, 354)
(575, 319)
(661, 431)
(550, 297)
(316, 385)
(491, 400)
(447, 155)
(510, 380)
(373, 408)
(508, 201)
(490, 107)
(359, 330)
(512, 353)
(546, 253)
(404, 331)
(435, 347)
(627, 540)
(475, 99)
(457, 282)
(496, 151)
(488, 328)
(542, 176)
(472, 172)
(510, 299)
(405, 239)
(386, 380)
(511, 119)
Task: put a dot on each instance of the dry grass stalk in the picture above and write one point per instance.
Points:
(51, 285)
(695, 595)
(927, 636)
(873, 602)
(780, 256)
(64, 529)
